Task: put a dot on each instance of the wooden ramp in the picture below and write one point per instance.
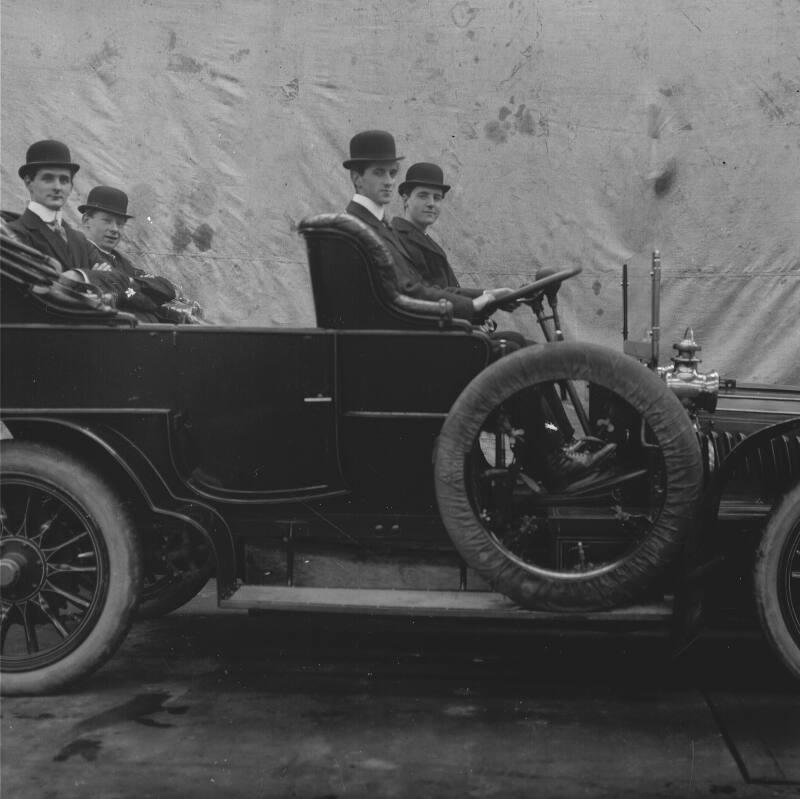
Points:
(762, 732)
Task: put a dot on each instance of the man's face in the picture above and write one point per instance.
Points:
(103, 228)
(378, 181)
(50, 186)
(423, 205)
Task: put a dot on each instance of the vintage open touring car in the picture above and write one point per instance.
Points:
(390, 460)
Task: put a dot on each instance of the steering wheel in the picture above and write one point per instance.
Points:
(530, 290)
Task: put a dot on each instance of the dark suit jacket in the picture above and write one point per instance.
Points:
(158, 289)
(73, 254)
(429, 259)
(132, 289)
(409, 280)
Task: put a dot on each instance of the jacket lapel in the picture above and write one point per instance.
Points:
(418, 237)
(363, 215)
(49, 240)
(386, 232)
(405, 230)
(74, 244)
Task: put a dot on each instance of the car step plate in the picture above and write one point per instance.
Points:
(465, 604)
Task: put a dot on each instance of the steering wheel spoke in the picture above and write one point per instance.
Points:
(530, 292)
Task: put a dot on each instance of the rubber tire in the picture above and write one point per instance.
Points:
(781, 535)
(534, 587)
(98, 500)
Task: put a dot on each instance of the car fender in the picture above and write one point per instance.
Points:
(137, 476)
(737, 456)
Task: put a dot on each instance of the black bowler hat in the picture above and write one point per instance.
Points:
(108, 199)
(47, 152)
(424, 174)
(369, 146)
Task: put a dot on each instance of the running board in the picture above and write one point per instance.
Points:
(452, 604)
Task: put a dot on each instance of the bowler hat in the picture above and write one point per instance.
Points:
(47, 152)
(424, 174)
(108, 199)
(369, 146)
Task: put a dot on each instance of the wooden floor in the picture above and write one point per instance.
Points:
(211, 703)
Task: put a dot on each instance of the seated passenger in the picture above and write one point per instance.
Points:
(48, 172)
(555, 457)
(373, 166)
(105, 214)
(423, 191)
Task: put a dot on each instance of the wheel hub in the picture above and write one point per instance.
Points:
(22, 569)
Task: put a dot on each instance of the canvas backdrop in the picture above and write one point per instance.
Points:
(582, 132)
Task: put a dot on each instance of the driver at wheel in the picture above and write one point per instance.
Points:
(423, 191)
(555, 457)
(373, 166)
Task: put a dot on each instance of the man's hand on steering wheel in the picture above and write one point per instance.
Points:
(509, 299)
(493, 296)
(504, 306)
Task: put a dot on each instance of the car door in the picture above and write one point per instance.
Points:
(395, 390)
(259, 411)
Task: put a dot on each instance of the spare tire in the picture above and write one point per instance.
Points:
(590, 544)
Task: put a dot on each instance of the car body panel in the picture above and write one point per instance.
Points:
(304, 454)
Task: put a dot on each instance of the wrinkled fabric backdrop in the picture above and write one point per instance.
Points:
(573, 132)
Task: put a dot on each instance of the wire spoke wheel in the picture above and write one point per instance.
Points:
(789, 584)
(57, 568)
(777, 580)
(69, 569)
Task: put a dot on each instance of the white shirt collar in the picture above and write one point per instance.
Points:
(376, 210)
(47, 215)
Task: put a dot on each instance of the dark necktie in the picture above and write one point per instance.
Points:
(388, 229)
(58, 229)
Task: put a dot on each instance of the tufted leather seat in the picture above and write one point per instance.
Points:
(354, 283)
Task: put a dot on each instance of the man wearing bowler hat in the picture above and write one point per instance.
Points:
(423, 191)
(104, 215)
(150, 297)
(555, 455)
(373, 166)
(48, 172)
